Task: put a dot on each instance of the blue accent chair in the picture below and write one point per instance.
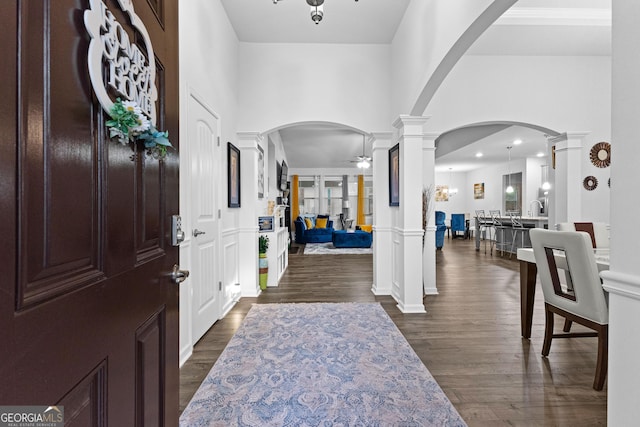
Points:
(458, 225)
(440, 229)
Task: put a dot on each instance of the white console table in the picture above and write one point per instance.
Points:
(277, 254)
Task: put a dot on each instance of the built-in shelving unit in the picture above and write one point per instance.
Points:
(278, 253)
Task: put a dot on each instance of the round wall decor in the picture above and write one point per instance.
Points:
(600, 154)
(590, 183)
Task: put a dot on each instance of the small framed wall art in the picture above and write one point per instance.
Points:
(478, 191)
(442, 193)
(260, 172)
(265, 223)
(233, 176)
(394, 175)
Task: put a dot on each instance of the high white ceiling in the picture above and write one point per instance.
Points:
(289, 21)
(531, 27)
(493, 147)
(319, 145)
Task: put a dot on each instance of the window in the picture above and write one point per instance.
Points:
(512, 202)
(308, 194)
(368, 198)
(333, 195)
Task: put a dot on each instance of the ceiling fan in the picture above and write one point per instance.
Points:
(364, 161)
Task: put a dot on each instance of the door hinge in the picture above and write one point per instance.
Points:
(218, 141)
(219, 286)
(219, 213)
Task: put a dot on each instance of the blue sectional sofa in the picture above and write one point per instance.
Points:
(356, 239)
(313, 235)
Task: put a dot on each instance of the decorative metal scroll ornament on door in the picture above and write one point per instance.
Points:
(130, 73)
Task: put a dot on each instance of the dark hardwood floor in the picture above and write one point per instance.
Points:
(469, 339)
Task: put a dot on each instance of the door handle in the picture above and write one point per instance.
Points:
(197, 232)
(177, 275)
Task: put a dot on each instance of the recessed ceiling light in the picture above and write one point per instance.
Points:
(517, 142)
(478, 154)
(540, 154)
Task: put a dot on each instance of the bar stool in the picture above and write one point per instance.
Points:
(517, 228)
(482, 224)
(498, 227)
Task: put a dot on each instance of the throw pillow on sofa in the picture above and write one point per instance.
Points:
(365, 227)
(308, 223)
(321, 222)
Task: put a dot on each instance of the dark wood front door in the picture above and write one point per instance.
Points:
(88, 310)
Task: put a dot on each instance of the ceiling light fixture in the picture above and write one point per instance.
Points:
(479, 154)
(364, 162)
(509, 187)
(517, 142)
(317, 10)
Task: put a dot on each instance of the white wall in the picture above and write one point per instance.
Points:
(459, 202)
(560, 93)
(427, 32)
(208, 63)
(291, 83)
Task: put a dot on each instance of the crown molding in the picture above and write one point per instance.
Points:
(556, 16)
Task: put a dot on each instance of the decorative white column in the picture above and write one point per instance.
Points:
(429, 249)
(248, 218)
(622, 281)
(568, 177)
(382, 231)
(407, 244)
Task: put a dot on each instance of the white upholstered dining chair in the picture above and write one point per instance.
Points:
(585, 303)
(599, 231)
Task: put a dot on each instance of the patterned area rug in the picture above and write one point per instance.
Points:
(329, 249)
(319, 365)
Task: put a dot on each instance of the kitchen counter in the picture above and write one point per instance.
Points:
(505, 236)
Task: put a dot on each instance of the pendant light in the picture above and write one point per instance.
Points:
(509, 187)
(545, 178)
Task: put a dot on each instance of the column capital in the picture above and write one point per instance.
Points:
(250, 135)
(568, 139)
(249, 140)
(431, 135)
(410, 125)
(382, 135)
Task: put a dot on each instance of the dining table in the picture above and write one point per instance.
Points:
(528, 275)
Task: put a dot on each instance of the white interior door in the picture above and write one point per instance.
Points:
(205, 255)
